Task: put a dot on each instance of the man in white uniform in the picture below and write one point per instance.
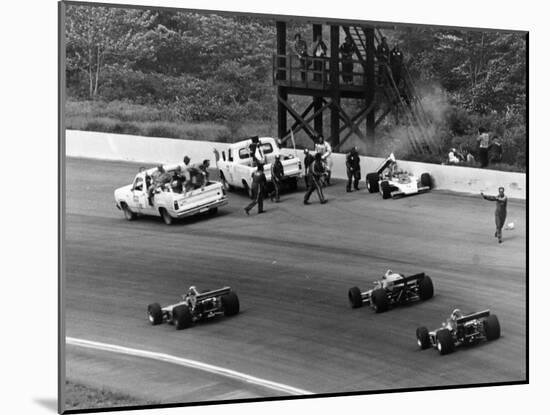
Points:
(323, 148)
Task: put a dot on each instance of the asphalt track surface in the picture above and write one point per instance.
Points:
(291, 268)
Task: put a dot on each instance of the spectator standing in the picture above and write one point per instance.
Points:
(300, 48)
(346, 51)
(319, 52)
(308, 160)
(259, 183)
(353, 169)
(382, 56)
(483, 140)
(495, 151)
(277, 175)
(500, 212)
(396, 64)
(316, 172)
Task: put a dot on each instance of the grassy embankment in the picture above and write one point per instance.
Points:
(81, 396)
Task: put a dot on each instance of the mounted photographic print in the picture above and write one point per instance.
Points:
(258, 207)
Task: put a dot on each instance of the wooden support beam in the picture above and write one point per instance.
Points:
(370, 81)
(297, 117)
(307, 120)
(334, 77)
(281, 91)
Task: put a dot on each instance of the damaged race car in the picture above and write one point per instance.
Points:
(393, 289)
(195, 306)
(460, 329)
(391, 181)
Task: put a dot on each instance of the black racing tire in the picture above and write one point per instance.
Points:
(248, 190)
(492, 327)
(372, 182)
(422, 338)
(444, 341)
(425, 288)
(213, 211)
(154, 313)
(128, 214)
(354, 297)
(167, 219)
(385, 190)
(379, 300)
(426, 180)
(230, 304)
(181, 315)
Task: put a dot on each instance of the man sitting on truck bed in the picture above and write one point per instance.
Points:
(159, 179)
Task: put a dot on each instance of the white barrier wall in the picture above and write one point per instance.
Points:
(123, 147)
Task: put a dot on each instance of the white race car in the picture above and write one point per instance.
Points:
(391, 181)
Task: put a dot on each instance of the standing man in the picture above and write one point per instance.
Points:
(316, 171)
(308, 160)
(382, 56)
(346, 51)
(319, 52)
(277, 174)
(300, 48)
(500, 211)
(259, 183)
(323, 148)
(353, 169)
(483, 140)
(396, 64)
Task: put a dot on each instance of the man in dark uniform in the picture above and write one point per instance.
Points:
(383, 56)
(300, 48)
(259, 183)
(277, 174)
(500, 211)
(353, 169)
(316, 171)
(396, 64)
(308, 160)
(346, 50)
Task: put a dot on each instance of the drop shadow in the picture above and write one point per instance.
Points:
(48, 403)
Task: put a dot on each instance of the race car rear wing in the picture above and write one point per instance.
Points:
(405, 280)
(469, 317)
(213, 293)
(386, 163)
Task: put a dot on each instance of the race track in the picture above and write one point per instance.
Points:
(292, 268)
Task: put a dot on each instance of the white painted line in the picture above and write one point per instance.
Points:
(187, 363)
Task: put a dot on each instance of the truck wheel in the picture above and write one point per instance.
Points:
(444, 340)
(165, 216)
(154, 313)
(372, 182)
(426, 180)
(248, 190)
(379, 300)
(422, 337)
(181, 315)
(230, 304)
(128, 214)
(385, 190)
(425, 288)
(492, 327)
(354, 297)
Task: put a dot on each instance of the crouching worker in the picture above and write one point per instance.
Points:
(316, 172)
(159, 179)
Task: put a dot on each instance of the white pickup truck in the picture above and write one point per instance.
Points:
(236, 167)
(168, 203)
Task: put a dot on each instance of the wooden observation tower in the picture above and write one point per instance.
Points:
(376, 94)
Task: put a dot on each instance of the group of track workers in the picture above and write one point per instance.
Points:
(317, 174)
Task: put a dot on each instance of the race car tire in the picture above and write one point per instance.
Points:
(225, 184)
(492, 327)
(425, 288)
(385, 190)
(154, 313)
(379, 300)
(165, 216)
(444, 341)
(426, 180)
(372, 182)
(422, 337)
(128, 214)
(230, 304)
(354, 297)
(182, 317)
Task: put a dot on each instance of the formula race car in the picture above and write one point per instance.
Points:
(460, 329)
(393, 289)
(391, 181)
(195, 306)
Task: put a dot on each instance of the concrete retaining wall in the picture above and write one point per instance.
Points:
(154, 150)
